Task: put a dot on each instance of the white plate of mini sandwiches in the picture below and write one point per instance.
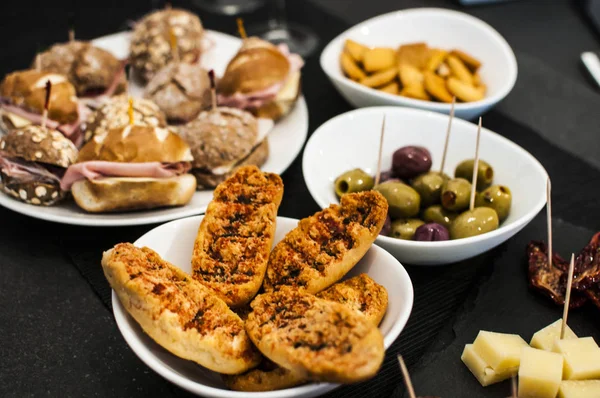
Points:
(131, 195)
(259, 305)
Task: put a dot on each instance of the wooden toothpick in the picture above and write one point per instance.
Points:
(407, 382)
(46, 104)
(513, 383)
(213, 89)
(173, 44)
(563, 328)
(378, 174)
(549, 219)
(130, 111)
(475, 168)
(448, 135)
(241, 29)
(71, 22)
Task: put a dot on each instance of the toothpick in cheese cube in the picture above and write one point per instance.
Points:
(544, 339)
(481, 370)
(540, 373)
(500, 350)
(579, 389)
(582, 358)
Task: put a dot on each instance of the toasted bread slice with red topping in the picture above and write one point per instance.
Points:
(325, 246)
(235, 237)
(360, 293)
(315, 338)
(180, 314)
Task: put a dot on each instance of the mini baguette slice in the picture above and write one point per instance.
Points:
(360, 293)
(315, 338)
(232, 246)
(325, 246)
(177, 312)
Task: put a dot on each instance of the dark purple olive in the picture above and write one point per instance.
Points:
(387, 227)
(386, 176)
(431, 232)
(410, 161)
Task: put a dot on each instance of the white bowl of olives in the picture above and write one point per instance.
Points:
(431, 222)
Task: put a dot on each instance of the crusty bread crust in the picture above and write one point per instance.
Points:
(257, 157)
(234, 238)
(129, 193)
(315, 338)
(325, 246)
(360, 293)
(177, 312)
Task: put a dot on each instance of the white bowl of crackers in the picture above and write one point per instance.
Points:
(242, 303)
(422, 58)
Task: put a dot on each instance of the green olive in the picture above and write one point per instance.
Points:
(429, 186)
(405, 228)
(474, 222)
(456, 194)
(438, 214)
(485, 173)
(353, 181)
(498, 197)
(403, 201)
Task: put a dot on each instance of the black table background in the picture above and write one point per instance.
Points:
(57, 337)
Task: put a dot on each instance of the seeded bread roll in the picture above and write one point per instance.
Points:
(115, 114)
(177, 312)
(315, 338)
(223, 139)
(325, 246)
(32, 161)
(360, 293)
(150, 48)
(236, 234)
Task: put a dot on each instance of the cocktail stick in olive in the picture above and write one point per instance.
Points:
(403, 201)
(429, 187)
(497, 197)
(474, 222)
(456, 194)
(353, 181)
(405, 228)
(437, 214)
(485, 173)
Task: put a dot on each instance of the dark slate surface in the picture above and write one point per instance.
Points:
(501, 302)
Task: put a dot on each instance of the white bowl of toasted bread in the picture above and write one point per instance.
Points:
(352, 140)
(378, 79)
(174, 242)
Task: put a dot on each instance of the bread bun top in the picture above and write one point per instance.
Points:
(115, 113)
(86, 66)
(27, 88)
(257, 66)
(221, 136)
(36, 144)
(137, 144)
(180, 90)
(150, 43)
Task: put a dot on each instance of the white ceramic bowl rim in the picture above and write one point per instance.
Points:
(487, 101)
(447, 243)
(170, 374)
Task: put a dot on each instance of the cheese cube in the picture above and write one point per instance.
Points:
(540, 373)
(481, 370)
(579, 389)
(499, 350)
(544, 339)
(582, 358)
